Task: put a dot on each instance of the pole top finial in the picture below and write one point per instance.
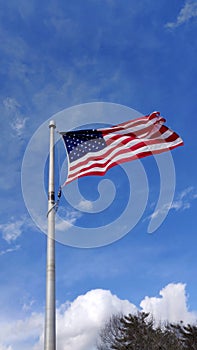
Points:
(52, 124)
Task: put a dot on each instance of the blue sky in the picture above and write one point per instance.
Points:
(59, 54)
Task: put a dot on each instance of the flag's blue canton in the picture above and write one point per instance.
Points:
(79, 143)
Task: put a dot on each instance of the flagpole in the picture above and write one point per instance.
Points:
(50, 313)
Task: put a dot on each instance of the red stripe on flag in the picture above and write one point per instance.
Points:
(130, 140)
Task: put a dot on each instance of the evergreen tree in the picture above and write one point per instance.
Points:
(186, 334)
(137, 332)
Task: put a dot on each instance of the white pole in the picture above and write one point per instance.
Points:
(50, 313)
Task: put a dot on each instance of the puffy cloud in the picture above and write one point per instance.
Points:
(171, 306)
(79, 322)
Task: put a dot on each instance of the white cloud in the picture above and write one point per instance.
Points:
(14, 228)
(85, 205)
(2, 347)
(17, 333)
(9, 250)
(14, 125)
(186, 192)
(188, 12)
(66, 218)
(17, 119)
(28, 305)
(18, 125)
(184, 199)
(182, 202)
(11, 231)
(11, 104)
(171, 306)
(79, 322)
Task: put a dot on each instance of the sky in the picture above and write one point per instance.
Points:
(95, 63)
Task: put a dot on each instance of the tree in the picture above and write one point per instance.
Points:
(110, 332)
(137, 332)
(187, 335)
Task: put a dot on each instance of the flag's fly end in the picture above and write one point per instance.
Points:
(94, 151)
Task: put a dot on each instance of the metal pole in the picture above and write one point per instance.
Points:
(50, 313)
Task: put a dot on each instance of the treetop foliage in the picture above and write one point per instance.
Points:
(138, 332)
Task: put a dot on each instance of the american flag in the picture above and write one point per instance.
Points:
(94, 151)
